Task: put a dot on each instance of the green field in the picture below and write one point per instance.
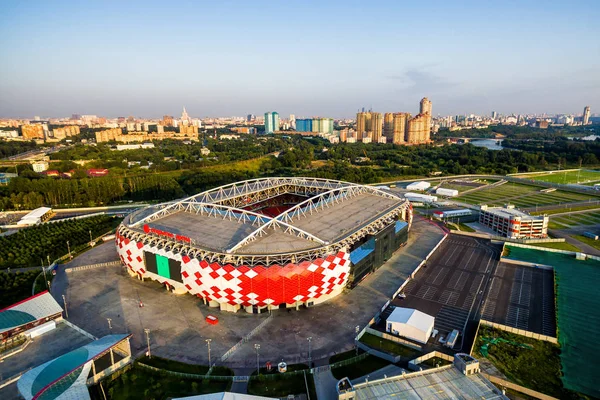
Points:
(572, 220)
(580, 176)
(522, 196)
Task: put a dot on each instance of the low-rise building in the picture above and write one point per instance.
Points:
(512, 223)
(411, 324)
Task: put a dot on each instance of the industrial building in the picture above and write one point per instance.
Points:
(411, 324)
(420, 198)
(512, 223)
(446, 192)
(266, 243)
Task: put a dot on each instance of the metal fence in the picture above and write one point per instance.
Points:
(246, 338)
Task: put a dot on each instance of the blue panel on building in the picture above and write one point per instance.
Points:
(358, 254)
(304, 125)
(400, 225)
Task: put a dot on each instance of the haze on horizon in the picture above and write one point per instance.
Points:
(150, 58)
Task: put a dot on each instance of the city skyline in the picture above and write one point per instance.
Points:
(147, 60)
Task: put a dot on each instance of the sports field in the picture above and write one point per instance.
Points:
(522, 196)
(572, 220)
(578, 315)
(579, 176)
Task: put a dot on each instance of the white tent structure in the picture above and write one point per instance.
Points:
(35, 217)
(410, 323)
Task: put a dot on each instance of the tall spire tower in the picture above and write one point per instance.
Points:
(184, 115)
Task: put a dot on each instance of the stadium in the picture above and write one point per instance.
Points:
(266, 243)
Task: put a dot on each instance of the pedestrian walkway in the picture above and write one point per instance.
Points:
(325, 385)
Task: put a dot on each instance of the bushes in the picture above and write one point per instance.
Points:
(15, 287)
(29, 246)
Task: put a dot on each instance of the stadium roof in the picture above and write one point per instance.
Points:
(440, 383)
(34, 308)
(65, 376)
(35, 215)
(225, 396)
(219, 221)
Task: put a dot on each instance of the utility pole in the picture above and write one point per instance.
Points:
(147, 331)
(65, 304)
(109, 324)
(257, 347)
(356, 330)
(309, 358)
(69, 249)
(208, 344)
(91, 237)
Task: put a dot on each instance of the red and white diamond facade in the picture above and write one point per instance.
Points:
(263, 243)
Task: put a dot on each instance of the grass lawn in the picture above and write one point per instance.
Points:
(141, 383)
(556, 245)
(388, 346)
(565, 177)
(537, 368)
(274, 384)
(177, 366)
(566, 209)
(361, 368)
(589, 241)
(461, 227)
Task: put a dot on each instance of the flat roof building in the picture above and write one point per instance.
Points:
(410, 323)
(36, 216)
(28, 314)
(512, 223)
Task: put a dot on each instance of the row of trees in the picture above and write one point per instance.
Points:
(32, 246)
(10, 148)
(16, 286)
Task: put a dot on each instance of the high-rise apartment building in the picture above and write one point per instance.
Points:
(271, 122)
(388, 126)
(167, 120)
(292, 121)
(363, 124)
(399, 128)
(586, 115)
(425, 106)
(418, 129)
(32, 131)
(376, 127)
(316, 125)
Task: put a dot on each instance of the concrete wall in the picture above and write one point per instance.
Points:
(393, 338)
(506, 384)
(521, 332)
(414, 364)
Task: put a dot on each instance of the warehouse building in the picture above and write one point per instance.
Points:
(420, 198)
(411, 324)
(512, 223)
(418, 186)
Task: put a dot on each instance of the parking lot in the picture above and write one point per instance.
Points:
(522, 297)
(452, 285)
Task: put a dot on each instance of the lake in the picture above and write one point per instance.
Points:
(491, 144)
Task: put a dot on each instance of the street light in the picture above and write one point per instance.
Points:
(356, 330)
(208, 344)
(257, 347)
(69, 249)
(109, 324)
(309, 358)
(148, 341)
(65, 304)
(91, 237)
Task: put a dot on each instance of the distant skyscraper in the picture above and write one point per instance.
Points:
(586, 115)
(399, 128)
(185, 116)
(292, 121)
(271, 122)
(363, 125)
(494, 114)
(388, 126)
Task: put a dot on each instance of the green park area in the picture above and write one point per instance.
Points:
(275, 384)
(356, 367)
(389, 346)
(565, 177)
(556, 245)
(524, 196)
(528, 362)
(578, 315)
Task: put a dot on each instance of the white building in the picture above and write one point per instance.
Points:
(419, 197)
(204, 151)
(446, 192)
(410, 323)
(418, 186)
(36, 216)
(135, 146)
(39, 166)
(513, 223)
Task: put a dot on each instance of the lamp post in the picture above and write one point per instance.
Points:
(148, 341)
(257, 347)
(109, 324)
(309, 358)
(91, 237)
(208, 344)
(356, 330)
(69, 249)
(65, 304)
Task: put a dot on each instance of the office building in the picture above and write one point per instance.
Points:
(512, 223)
(271, 122)
(494, 114)
(586, 115)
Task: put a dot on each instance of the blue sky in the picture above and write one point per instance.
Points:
(328, 58)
